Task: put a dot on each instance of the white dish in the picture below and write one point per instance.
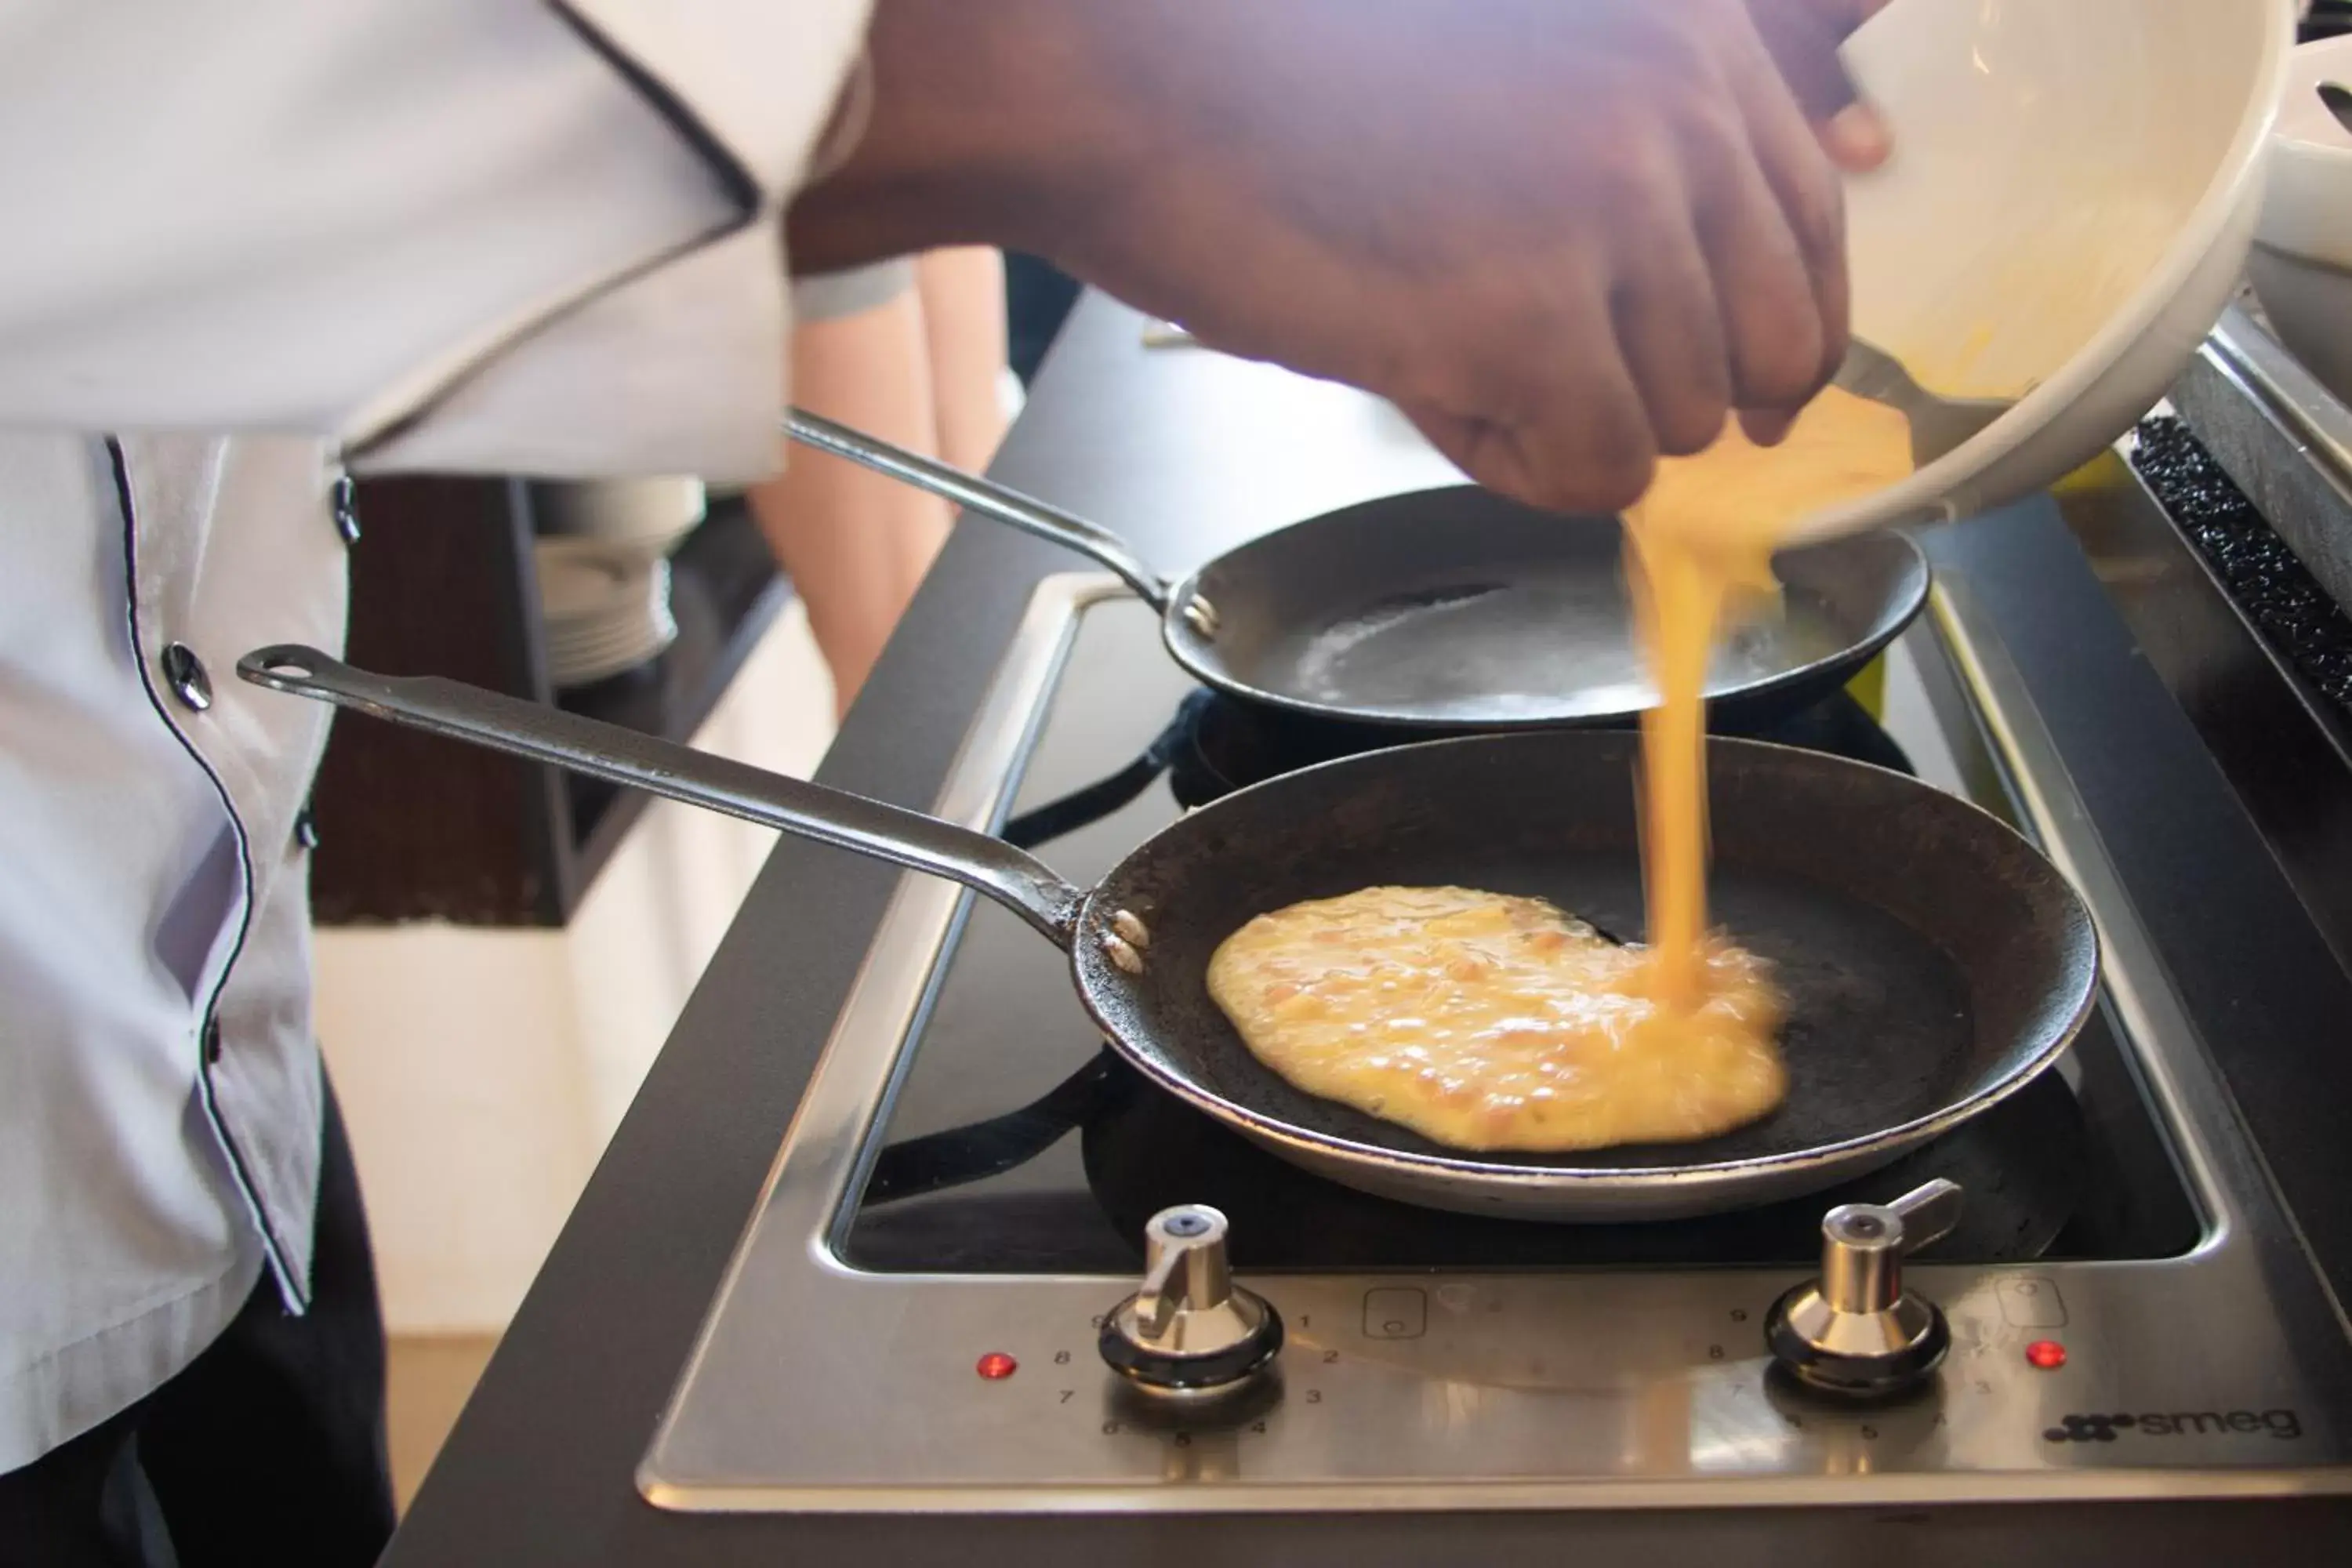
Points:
(651, 514)
(2301, 264)
(604, 608)
(2073, 189)
(579, 582)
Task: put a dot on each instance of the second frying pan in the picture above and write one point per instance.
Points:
(1452, 609)
(1933, 960)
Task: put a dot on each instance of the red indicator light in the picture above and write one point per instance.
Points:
(2047, 1354)
(996, 1365)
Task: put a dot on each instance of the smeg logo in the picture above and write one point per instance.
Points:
(2280, 1424)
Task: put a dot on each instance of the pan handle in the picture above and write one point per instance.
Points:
(1013, 877)
(984, 496)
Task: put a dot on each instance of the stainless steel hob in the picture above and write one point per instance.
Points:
(915, 1316)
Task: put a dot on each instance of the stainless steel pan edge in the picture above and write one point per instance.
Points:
(1191, 647)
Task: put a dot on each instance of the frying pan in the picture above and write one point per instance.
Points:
(1451, 609)
(1934, 962)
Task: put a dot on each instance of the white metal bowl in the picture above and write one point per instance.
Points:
(2302, 261)
(2073, 189)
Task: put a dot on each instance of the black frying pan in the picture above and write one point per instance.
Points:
(1934, 962)
(1452, 609)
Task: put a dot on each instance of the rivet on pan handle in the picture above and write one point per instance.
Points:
(1126, 941)
(1013, 877)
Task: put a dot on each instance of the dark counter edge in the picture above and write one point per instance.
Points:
(540, 1466)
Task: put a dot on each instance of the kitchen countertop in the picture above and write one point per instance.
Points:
(1186, 453)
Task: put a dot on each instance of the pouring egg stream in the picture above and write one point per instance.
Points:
(1485, 1021)
(1698, 551)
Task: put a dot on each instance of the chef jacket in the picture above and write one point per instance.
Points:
(457, 235)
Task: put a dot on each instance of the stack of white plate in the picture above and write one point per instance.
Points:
(604, 572)
(604, 611)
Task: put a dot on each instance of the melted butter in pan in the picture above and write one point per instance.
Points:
(1489, 1021)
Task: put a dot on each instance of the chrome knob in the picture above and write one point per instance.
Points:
(1856, 1330)
(1189, 1330)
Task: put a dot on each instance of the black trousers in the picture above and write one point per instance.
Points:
(269, 1448)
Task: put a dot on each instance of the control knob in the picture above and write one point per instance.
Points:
(1189, 1330)
(1855, 1331)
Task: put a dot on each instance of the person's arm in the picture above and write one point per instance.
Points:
(455, 233)
(1564, 235)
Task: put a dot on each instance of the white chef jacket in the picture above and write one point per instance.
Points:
(458, 235)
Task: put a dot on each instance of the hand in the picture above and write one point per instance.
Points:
(1563, 235)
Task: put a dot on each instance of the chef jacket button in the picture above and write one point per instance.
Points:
(345, 500)
(306, 829)
(212, 1039)
(186, 673)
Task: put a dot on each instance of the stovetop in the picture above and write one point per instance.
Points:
(910, 1320)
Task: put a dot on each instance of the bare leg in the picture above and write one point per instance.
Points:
(856, 544)
(963, 316)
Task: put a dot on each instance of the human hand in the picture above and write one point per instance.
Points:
(1563, 235)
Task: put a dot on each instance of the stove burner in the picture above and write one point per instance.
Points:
(2023, 1163)
(1219, 745)
(1216, 744)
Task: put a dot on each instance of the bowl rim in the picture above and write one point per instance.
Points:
(1932, 493)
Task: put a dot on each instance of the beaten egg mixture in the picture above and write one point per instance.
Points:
(1486, 1021)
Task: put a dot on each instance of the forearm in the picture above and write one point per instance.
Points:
(1563, 237)
(989, 124)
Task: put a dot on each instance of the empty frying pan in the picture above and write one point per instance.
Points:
(1933, 961)
(1452, 609)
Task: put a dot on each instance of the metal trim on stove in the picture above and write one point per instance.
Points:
(814, 1386)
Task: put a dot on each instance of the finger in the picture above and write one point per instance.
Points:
(1669, 327)
(1804, 36)
(1811, 204)
(1857, 138)
(1802, 40)
(1588, 450)
(1765, 292)
(1767, 426)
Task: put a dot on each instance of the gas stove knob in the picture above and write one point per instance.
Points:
(1189, 1330)
(1855, 1331)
